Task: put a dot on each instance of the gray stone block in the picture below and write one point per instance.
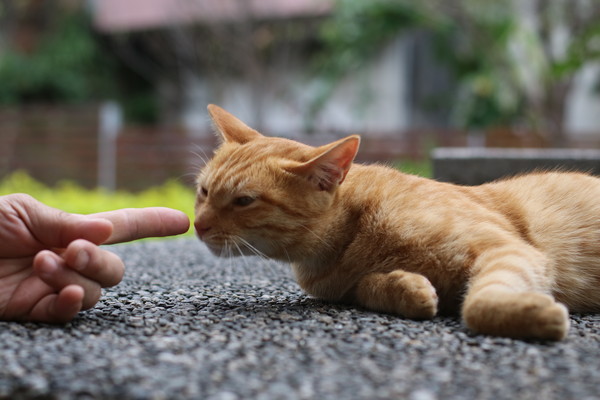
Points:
(474, 166)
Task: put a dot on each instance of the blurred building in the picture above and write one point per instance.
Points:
(256, 58)
(266, 79)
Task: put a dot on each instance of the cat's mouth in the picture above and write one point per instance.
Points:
(229, 250)
(217, 246)
(219, 251)
(231, 246)
(228, 247)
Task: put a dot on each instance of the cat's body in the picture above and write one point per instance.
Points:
(395, 221)
(502, 253)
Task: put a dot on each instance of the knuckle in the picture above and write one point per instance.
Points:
(21, 198)
(20, 203)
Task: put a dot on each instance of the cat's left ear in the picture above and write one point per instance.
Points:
(232, 130)
(329, 168)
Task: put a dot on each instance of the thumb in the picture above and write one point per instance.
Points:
(56, 228)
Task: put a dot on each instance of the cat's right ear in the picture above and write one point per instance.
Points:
(329, 167)
(231, 129)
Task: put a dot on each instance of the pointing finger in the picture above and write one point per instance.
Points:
(137, 223)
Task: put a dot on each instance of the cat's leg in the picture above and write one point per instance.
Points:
(398, 292)
(508, 296)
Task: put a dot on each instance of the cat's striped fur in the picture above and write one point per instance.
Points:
(512, 256)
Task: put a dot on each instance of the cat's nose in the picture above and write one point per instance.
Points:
(201, 227)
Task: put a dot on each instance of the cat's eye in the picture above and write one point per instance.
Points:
(243, 201)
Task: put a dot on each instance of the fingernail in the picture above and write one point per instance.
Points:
(48, 267)
(82, 260)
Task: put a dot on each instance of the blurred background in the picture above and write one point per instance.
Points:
(113, 93)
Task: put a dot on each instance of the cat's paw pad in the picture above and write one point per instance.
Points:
(417, 297)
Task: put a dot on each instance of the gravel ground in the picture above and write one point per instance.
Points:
(184, 325)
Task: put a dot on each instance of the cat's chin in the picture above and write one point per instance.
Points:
(221, 251)
(227, 251)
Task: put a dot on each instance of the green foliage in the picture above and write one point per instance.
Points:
(508, 70)
(357, 30)
(71, 65)
(487, 98)
(72, 198)
(140, 106)
(354, 34)
(420, 168)
(470, 37)
(476, 48)
(66, 66)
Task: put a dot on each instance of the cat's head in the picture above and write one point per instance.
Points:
(263, 194)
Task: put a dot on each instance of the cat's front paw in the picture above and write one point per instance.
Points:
(552, 322)
(416, 297)
(517, 315)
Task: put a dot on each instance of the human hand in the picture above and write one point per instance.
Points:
(51, 265)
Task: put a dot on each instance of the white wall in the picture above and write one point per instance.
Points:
(583, 111)
(373, 100)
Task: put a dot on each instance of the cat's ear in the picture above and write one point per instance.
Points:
(333, 161)
(231, 129)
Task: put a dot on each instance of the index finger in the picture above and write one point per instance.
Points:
(137, 223)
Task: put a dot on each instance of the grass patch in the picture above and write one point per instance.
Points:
(73, 198)
(422, 168)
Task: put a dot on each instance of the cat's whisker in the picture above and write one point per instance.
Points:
(268, 264)
(241, 253)
(265, 262)
(253, 249)
(188, 179)
(231, 256)
(225, 266)
(200, 152)
(199, 161)
(289, 259)
(319, 238)
(271, 267)
(188, 175)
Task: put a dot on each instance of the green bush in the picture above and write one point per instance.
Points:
(73, 198)
(422, 168)
(68, 65)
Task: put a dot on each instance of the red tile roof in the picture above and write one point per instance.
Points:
(130, 15)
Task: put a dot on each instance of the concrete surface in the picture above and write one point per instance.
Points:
(184, 325)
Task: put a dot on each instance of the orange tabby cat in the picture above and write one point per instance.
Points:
(507, 254)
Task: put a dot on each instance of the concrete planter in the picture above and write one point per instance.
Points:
(474, 166)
